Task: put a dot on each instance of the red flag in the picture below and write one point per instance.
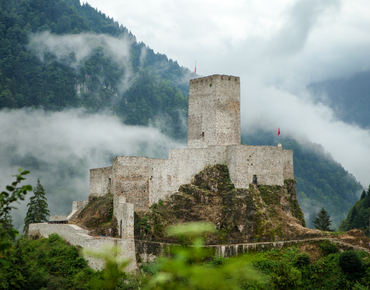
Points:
(278, 131)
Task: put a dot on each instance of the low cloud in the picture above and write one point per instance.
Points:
(81, 45)
(60, 147)
(300, 118)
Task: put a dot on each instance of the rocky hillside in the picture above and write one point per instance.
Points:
(98, 217)
(260, 212)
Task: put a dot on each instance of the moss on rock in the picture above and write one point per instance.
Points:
(260, 212)
(97, 217)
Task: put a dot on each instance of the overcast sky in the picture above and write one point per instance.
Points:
(277, 47)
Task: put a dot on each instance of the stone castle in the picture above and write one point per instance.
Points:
(214, 137)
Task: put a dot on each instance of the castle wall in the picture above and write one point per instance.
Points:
(267, 163)
(214, 111)
(124, 213)
(100, 181)
(264, 162)
(131, 179)
(288, 164)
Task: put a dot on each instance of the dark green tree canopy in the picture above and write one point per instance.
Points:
(363, 195)
(322, 221)
(37, 207)
(13, 193)
(359, 215)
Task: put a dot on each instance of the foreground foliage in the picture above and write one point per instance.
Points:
(13, 193)
(50, 263)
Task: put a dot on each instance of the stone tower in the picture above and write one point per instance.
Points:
(214, 111)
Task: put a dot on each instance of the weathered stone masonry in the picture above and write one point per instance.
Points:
(213, 138)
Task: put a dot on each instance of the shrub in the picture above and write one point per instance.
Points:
(302, 260)
(350, 264)
(328, 248)
(286, 277)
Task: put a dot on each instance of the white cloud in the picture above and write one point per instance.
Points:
(63, 146)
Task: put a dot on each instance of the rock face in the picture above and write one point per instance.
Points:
(260, 212)
(97, 217)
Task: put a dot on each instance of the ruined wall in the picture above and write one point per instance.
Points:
(124, 213)
(267, 163)
(131, 180)
(53, 218)
(79, 205)
(288, 164)
(100, 181)
(214, 111)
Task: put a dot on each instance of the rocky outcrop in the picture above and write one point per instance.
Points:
(260, 212)
(97, 217)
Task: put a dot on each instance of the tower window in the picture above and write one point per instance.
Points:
(255, 179)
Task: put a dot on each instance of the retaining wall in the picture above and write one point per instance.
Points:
(149, 251)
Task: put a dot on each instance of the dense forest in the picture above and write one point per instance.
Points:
(146, 87)
(359, 215)
(140, 87)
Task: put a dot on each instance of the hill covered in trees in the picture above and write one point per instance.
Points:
(59, 54)
(138, 86)
(359, 215)
(349, 98)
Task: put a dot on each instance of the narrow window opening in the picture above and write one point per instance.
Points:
(120, 228)
(255, 179)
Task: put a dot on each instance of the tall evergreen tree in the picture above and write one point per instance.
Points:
(38, 211)
(363, 195)
(322, 221)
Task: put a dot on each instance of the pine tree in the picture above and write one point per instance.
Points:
(322, 221)
(37, 207)
(363, 195)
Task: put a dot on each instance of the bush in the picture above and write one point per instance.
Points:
(328, 248)
(302, 260)
(351, 264)
(286, 277)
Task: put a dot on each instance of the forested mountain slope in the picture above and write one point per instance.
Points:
(349, 98)
(139, 88)
(44, 63)
(359, 215)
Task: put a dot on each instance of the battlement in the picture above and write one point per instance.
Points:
(207, 79)
(214, 111)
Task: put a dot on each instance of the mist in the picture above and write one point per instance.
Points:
(60, 148)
